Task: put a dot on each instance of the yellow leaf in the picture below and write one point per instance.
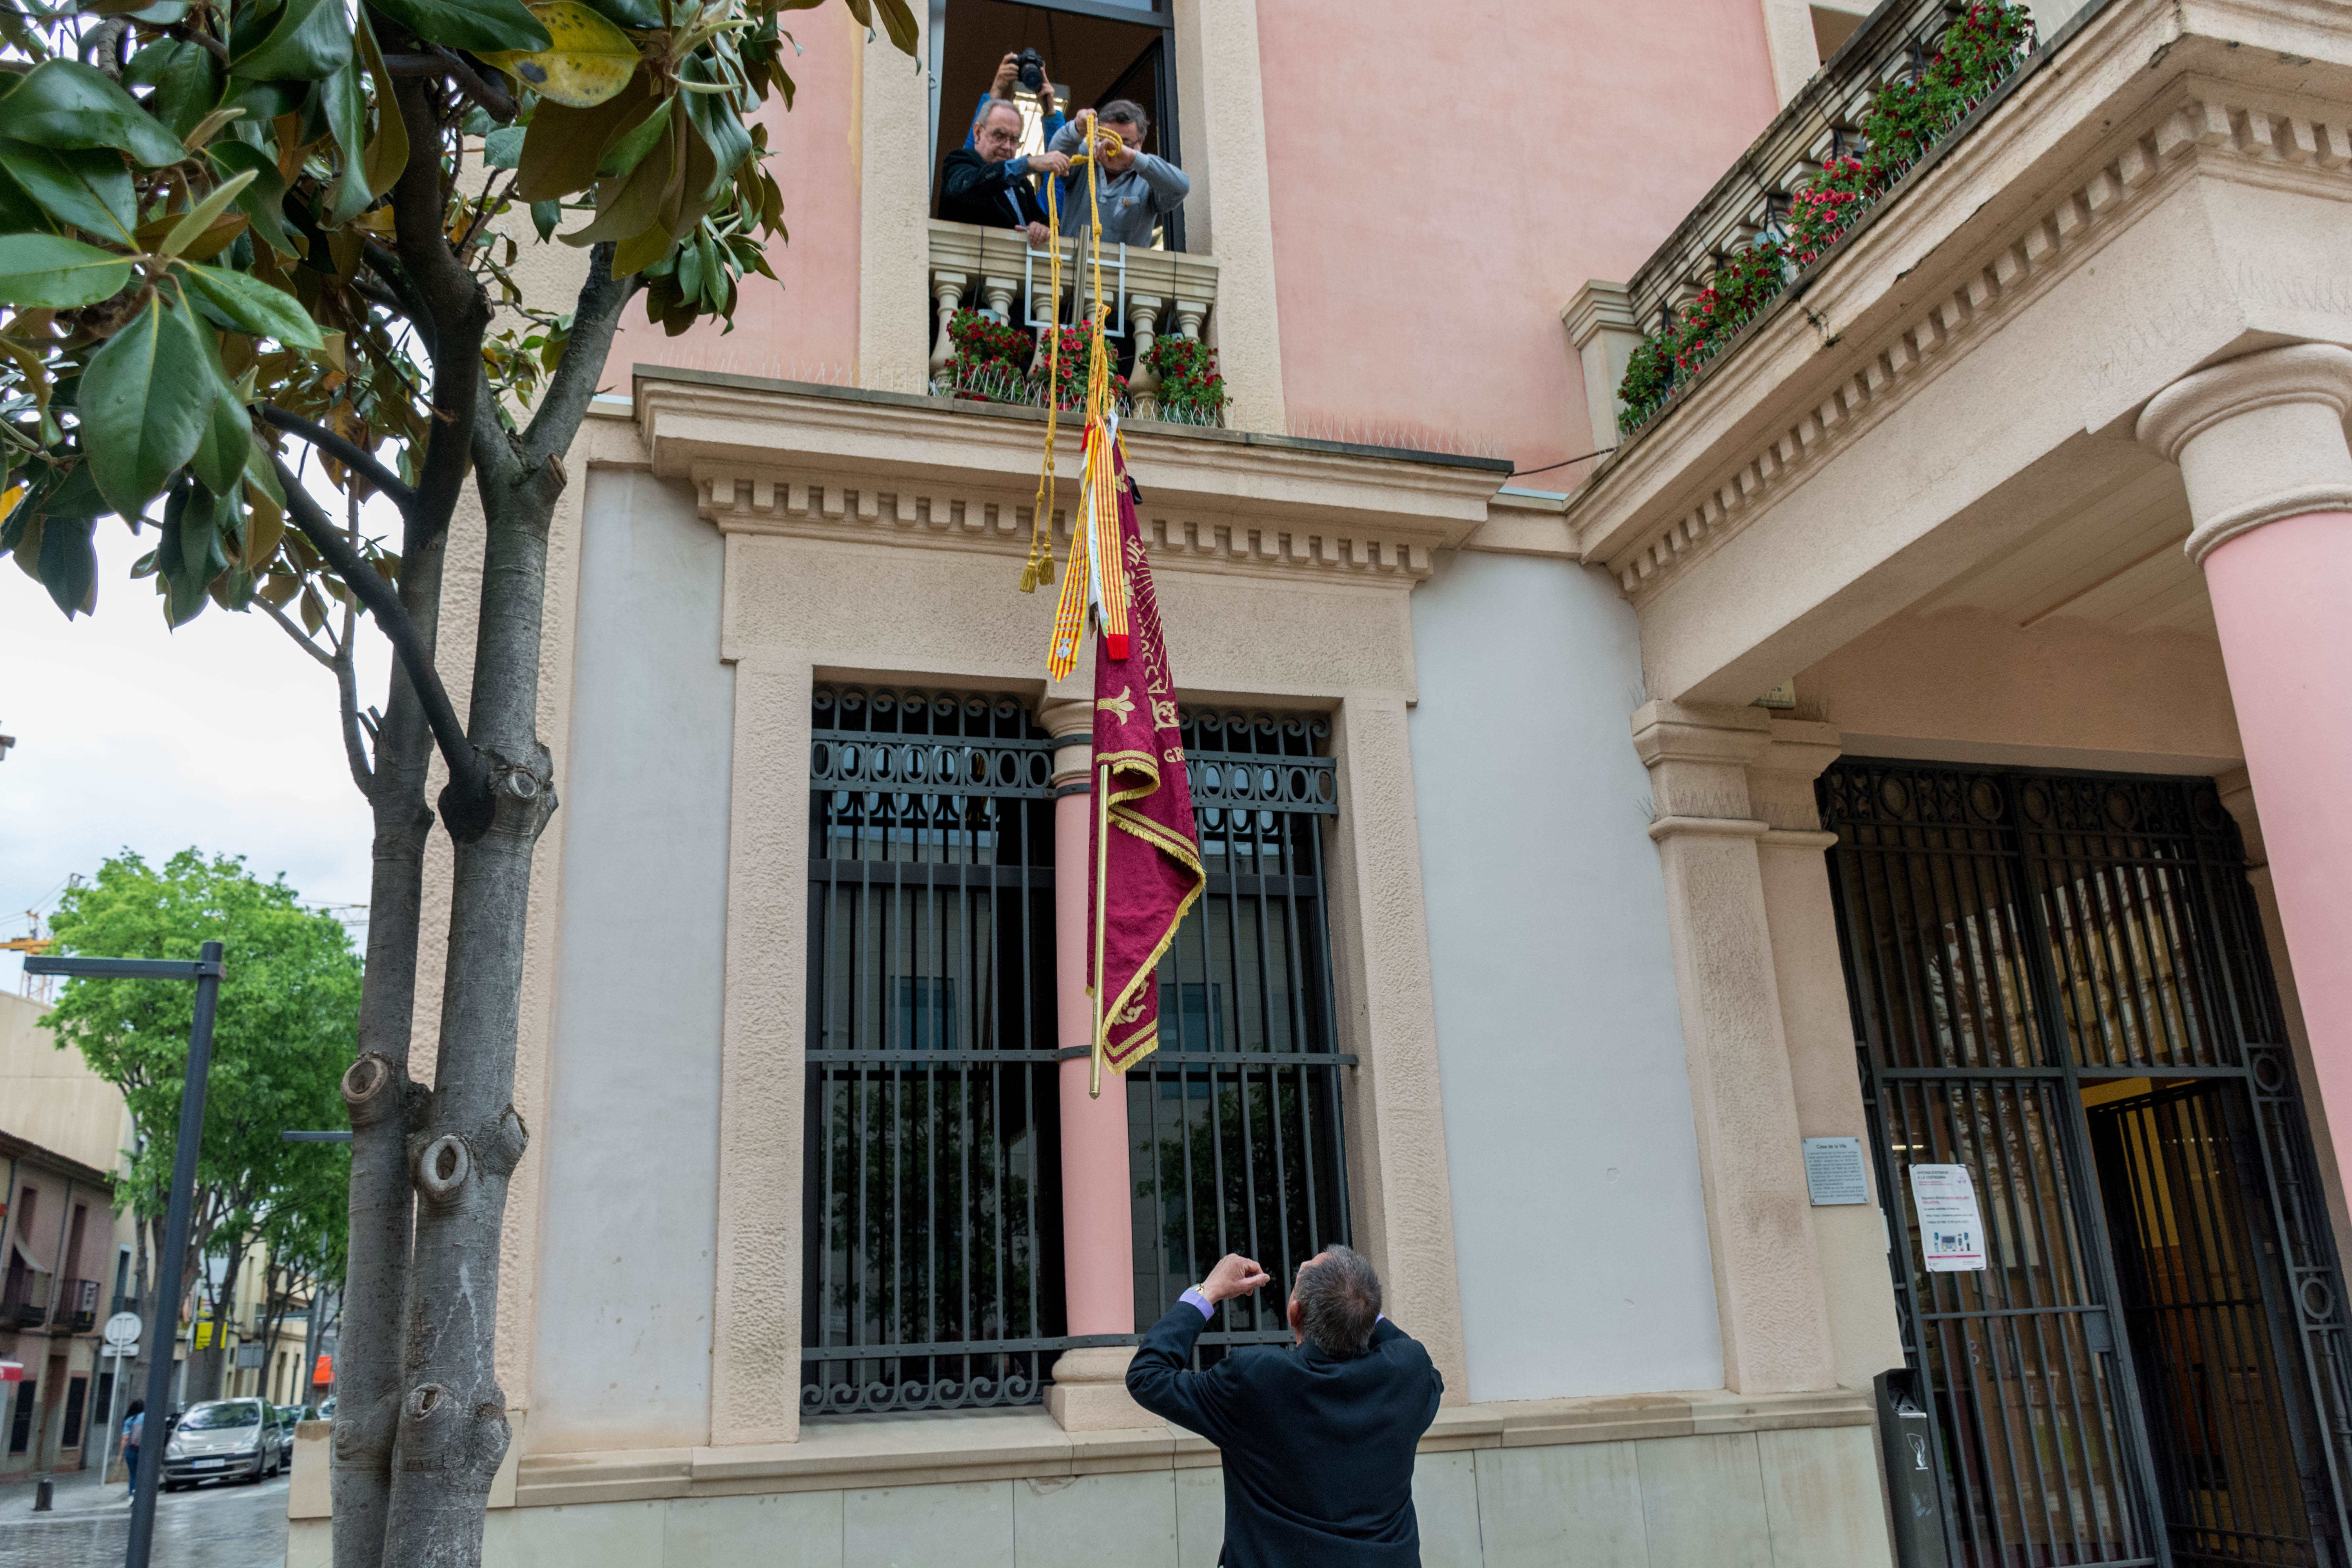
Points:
(589, 60)
(265, 525)
(387, 152)
(8, 502)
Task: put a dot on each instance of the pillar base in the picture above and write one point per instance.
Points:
(1088, 1392)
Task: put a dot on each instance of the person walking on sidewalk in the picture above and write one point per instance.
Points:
(132, 1426)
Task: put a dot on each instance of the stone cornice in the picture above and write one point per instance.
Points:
(835, 463)
(1856, 339)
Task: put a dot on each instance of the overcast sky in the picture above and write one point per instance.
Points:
(221, 735)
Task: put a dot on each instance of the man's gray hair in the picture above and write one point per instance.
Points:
(1125, 111)
(989, 106)
(1339, 1302)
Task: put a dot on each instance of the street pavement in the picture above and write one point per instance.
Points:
(232, 1526)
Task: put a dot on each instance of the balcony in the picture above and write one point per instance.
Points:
(25, 1299)
(1150, 294)
(1904, 89)
(77, 1306)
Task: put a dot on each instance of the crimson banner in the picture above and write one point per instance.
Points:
(1144, 853)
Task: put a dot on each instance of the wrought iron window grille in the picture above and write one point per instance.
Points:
(932, 1214)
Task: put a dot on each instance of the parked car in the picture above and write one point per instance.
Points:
(286, 1416)
(221, 1440)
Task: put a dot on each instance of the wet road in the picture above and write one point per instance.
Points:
(214, 1526)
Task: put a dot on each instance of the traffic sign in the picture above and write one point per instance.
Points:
(123, 1329)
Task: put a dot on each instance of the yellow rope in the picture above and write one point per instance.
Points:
(1099, 554)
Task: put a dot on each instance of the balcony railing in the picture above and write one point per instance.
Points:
(77, 1306)
(1150, 293)
(24, 1298)
(1751, 206)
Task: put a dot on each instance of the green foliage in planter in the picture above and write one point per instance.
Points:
(1190, 390)
(992, 359)
(1907, 116)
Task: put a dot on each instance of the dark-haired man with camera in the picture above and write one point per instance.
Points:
(1319, 1440)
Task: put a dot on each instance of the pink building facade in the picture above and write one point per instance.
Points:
(1768, 766)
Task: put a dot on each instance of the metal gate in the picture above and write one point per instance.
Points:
(2058, 981)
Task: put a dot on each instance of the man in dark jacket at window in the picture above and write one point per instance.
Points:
(986, 184)
(1318, 1440)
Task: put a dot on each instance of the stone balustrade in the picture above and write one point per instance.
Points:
(1147, 293)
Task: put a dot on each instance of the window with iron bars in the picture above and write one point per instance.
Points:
(932, 1211)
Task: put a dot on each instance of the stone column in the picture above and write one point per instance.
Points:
(2260, 441)
(1818, 1023)
(1089, 1389)
(1767, 1273)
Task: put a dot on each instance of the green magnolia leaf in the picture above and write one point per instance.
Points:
(564, 146)
(478, 26)
(263, 202)
(71, 494)
(219, 461)
(722, 130)
(189, 556)
(69, 563)
(346, 105)
(587, 61)
(502, 148)
(49, 271)
(246, 304)
(309, 40)
(387, 153)
(63, 103)
(143, 401)
(86, 186)
(544, 216)
(187, 89)
(628, 149)
(897, 20)
(629, 13)
(200, 218)
(19, 213)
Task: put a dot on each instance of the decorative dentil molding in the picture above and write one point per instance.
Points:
(2200, 124)
(947, 515)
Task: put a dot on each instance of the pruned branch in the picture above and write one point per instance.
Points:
(351, 454)
(466, 775)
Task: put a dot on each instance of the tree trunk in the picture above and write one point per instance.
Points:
(453, 1429)
(383, 1102)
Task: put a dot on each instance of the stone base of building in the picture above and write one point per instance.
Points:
(1652, 1481)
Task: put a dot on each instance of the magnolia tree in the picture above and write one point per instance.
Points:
(257, 250)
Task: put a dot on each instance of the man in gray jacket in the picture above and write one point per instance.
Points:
(1134, 187)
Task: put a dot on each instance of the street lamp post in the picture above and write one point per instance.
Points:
(205, 971)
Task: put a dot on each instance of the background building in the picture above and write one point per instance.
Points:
(66, 1256)
(1852, 752)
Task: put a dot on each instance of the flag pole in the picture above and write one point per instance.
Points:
(1102, 911)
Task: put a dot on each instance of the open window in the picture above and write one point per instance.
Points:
(1093, 50)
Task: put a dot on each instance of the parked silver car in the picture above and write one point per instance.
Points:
(221, 1440)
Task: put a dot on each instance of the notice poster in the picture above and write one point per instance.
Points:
(1951, 1232)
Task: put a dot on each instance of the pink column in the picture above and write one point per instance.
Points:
(2261, 445)
(1088, 1391)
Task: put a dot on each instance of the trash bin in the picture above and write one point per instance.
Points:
(1906, 1440)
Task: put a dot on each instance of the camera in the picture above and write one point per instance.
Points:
(1033, 70)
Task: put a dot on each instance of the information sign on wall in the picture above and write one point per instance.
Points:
(1835, 1172)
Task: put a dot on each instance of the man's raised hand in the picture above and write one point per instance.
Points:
(1008, 76)
(1234, 1275)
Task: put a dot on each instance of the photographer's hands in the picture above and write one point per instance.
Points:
(1234, 1275)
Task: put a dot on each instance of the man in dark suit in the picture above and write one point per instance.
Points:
(1318, 1438)
(988, 185)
